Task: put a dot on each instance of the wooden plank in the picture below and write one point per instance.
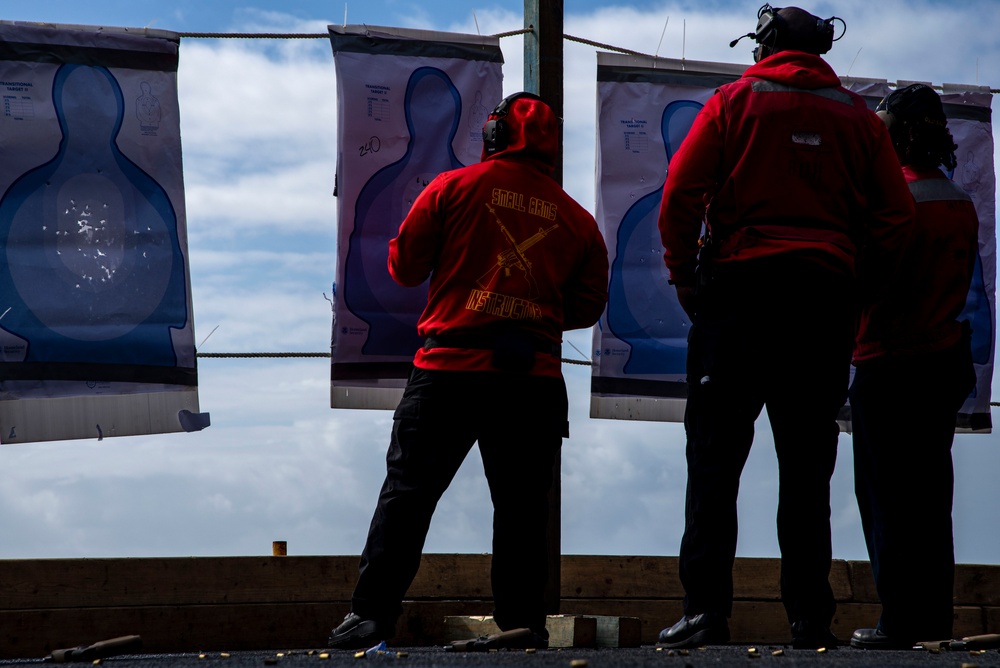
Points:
(570, 631)
(457, 576)
(862, 582)
(653, 615)
(977, 584)
(71, 583)
(601, 577)
(757, 579)
(851, 616)
(618, 631)
(35, 633)
(969, 621)
(67, 583)
(463, 627)
(452, 575)
(423, 622)
(991, 620)
(753, 622)
(840, 581)
(564, 630)
(658, 577)
(760, 623)
(760, 579)
(211, 628)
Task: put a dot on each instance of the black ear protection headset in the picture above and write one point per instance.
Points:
(496, 131)
(772, 27)
(915, 103)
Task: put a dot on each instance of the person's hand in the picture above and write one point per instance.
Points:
(686, 297)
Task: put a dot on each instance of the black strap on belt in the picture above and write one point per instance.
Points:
(485, 341)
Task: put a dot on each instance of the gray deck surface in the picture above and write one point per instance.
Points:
(773, 656)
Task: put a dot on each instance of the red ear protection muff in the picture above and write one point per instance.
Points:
(496, 132)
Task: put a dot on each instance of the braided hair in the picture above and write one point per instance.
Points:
(918, 127)
(924, 144)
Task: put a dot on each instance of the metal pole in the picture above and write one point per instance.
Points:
(543, 56)
(543, 76)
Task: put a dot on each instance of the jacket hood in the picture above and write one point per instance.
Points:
(533, 132)
(795, 68)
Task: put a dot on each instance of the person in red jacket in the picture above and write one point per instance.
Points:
(913, 371)
(790, 173)
(513, 262)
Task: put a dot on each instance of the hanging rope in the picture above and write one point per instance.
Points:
(229, 355)
(606, 46)
(298, 35)
(327, 355)
(255, 35)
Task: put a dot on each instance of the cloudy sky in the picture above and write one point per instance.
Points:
(258, 121)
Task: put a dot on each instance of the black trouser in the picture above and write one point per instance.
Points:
(519, 422)
(903, 416)
(777, 335)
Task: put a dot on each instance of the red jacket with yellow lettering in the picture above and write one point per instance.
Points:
(917, 311)
(783, 160)
(506, 249)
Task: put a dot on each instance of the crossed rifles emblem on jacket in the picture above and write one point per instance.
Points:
(514, 257)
